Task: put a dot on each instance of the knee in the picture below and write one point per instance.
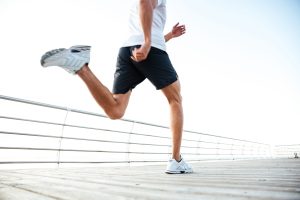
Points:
(176, 102)
(114, 114)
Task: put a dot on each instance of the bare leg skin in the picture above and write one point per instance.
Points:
(172, 92)
(114, 105)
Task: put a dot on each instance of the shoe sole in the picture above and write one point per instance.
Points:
(178, 172)
(49, 54)
(74, 49)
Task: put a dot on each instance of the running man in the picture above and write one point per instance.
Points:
(142, 56)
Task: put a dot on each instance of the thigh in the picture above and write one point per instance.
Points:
(157, 68)
(173, 92)
(126, 76)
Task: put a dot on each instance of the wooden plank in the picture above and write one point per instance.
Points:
(12, 193)
(275, 179)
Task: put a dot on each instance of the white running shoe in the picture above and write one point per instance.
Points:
(175, 167)
(72, 59)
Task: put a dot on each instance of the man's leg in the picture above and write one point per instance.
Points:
(114, 105)
(172, 92)
(74, 61)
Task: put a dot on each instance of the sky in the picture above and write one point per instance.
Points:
(238, 63)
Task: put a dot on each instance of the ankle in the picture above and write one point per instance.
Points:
(177, 158)
(83, 69)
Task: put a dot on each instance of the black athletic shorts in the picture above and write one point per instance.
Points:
(157, 68)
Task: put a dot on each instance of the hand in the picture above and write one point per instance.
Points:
(140, 54)
(178, 30)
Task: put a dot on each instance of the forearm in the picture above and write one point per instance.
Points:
(146, 16)
(168, 36)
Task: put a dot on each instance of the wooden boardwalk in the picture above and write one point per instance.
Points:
(244, 179)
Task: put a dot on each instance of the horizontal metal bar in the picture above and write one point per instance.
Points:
(108, 141)
(80, 162)
(131, 161)
(81, 127)
(90, 140)
(103, 162)
(218, 143)
(88, 128)
(94, 140)
(223, 137)
(72, 110)
(89, 151)
(103, 116)
(78, 150)
(106, 130)
(118, 152)
(83, 139)
(287, 145)
(61, 124)
(103, 151)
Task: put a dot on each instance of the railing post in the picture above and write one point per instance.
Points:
(198, 146)
(218, 148)
(61, 137)
(253, 147)
(231, 151)
(258, 152)
(129, 141)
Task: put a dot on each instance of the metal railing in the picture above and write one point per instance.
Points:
(287, 151)
(38, 133)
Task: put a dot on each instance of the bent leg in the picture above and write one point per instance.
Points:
(172, 92)
(114, 105)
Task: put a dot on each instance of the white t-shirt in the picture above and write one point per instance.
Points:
(136, 34)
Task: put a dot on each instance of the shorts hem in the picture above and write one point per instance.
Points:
(167, 84)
